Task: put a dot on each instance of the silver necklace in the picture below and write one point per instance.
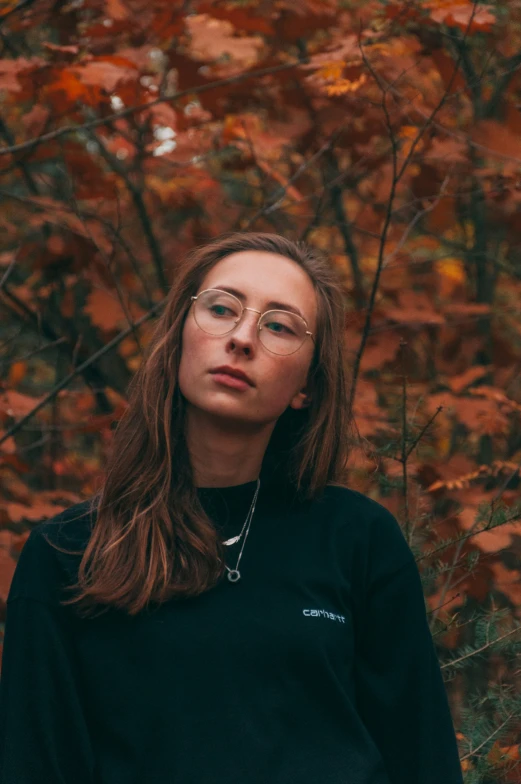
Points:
(233, 574)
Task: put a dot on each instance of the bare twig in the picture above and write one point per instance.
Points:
(67, 129)
(136, 193)
(396, 177)
(87, 364)
(276, 199)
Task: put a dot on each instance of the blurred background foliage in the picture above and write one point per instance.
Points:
(386, 132)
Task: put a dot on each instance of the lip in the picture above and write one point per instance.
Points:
(233, 373)
(230, 381)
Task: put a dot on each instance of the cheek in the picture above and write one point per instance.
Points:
(191, 353)
(284, 378)
(193, 342)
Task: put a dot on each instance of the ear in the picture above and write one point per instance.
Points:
(301, 400)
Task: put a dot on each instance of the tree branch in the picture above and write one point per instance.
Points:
(142, 107)
(80, 369)
(137, 197)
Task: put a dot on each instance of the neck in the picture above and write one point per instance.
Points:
(224, 453)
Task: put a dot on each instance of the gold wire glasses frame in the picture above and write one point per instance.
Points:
(261, 315)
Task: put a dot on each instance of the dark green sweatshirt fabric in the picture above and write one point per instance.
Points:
(316, 667)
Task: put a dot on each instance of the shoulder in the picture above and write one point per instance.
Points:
(357, 506)
(380, 540)
(51, 555)
(69, 528)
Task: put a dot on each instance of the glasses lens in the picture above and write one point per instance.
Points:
(282, 332)
(217, 313)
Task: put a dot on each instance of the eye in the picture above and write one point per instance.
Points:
(278, 324)
(221, 307)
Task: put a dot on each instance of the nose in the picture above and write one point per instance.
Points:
(244, 334)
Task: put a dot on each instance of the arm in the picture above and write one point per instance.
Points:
(43, 732)
(401, 695)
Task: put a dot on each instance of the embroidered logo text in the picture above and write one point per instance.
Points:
(325, 614)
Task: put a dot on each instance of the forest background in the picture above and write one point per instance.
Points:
(387, 133)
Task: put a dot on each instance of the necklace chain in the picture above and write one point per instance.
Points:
(233, 574)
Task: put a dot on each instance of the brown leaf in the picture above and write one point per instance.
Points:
(9, 70)
(104, 309)
(213, 39)
(34, 120)
(414, 316)
(8, 446)
(481, 416)
(17, 405)
(463, 380)
(466, 16)
(249, 19)
(57, 48)
(40, 510)
(367, 413)
(380, 349)
(7, 563)
(116, 9)
(449, 150)
(494, 137)
(106, 73)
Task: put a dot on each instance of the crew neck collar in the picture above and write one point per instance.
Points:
(271, 493)
(230, 488)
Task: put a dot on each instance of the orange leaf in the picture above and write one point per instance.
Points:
(342, 86)
(106, 74)
(462, 381)
(104, 309)
(414, 316)
(213, 39)
(115, 9)
(290, 190)
(17, 405)
(67, 82)
(466, 308)
(40, 510)
(465, 16)
(449, 150)
(16, 373)
(7, 564)
(494, 137)
(7, 447)
(64, 49)
(9, 69)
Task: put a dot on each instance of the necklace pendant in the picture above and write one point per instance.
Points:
(234, 575)
(232, 540)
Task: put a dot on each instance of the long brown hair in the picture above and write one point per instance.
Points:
(152, 539)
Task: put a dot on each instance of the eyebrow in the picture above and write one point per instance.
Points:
(272, 304)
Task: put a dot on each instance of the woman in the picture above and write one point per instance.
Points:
(238, 615)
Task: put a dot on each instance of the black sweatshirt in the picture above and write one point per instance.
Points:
(316, 667)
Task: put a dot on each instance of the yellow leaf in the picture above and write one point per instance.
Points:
(343, 86)
(453, 269)
(469, 234)
(332, 70)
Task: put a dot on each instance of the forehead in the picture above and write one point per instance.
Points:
(263, 278)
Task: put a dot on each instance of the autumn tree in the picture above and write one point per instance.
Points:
(387, 134)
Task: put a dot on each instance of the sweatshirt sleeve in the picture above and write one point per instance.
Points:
(401, 695)
(43, 731)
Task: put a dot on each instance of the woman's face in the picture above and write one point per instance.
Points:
(278, 380)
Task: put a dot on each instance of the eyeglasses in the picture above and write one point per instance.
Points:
(280, 331)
